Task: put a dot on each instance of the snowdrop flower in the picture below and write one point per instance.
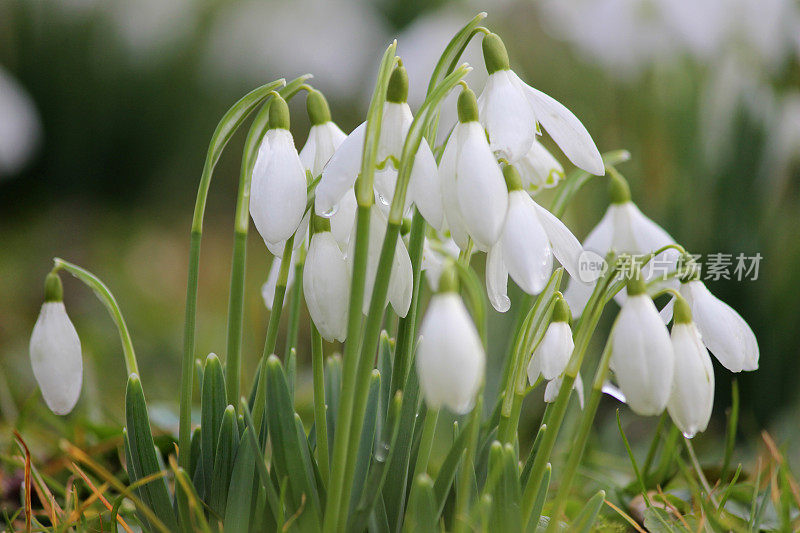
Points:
(551, 356)
(278, 190)
(641, 352)
(268, 288)
(450, 356)
(340, 174)
(324, 137)
(692, 397)
(530, 237)
(510, 109)
(554, 387)
(434, 259)
(474, 194)
(401, 278)
(55, 351)
(623, 229)
(723, 331)
(276, 248)
(539, 169)
(326, 283)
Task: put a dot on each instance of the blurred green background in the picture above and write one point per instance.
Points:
(107, 106)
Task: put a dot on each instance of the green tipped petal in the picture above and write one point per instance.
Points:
(448, 281)
(561, 311)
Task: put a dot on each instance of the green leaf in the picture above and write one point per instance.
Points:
(447, 472)
(212, 407)
(541, 496)
(333, 388)
(365, 444)
(143, 453)
(583, 522)
(194, 461)
(272, 497)
(133, 478)
(385, 357)
(227, 447)
(505, 514)
(242, 489)
(289, 461)
(422, 515)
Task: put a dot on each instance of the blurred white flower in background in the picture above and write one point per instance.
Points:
(149, 29)
(20, 127)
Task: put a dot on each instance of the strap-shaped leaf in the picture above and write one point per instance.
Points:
(422, 515)
(289, 461)
(212, 408)
(266, 480)
(195, 451)
(143, 453)
(227, 447)
(385, 357)
(365, 445)
(333, 388)
(133, 477)
(506, 493)
(447, 472)
(541, 496)
(242, 489)
(583, 522)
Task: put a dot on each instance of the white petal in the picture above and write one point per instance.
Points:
(497, 279)
(565, 245)
(539, 169)
(278, 193)
(394, 127)
(565, 129)
(450, 356)
(526, 248)
(554, 387)
(344, 219)
(55, 352)
(447, 175)
(268, 288)
(425, 188)
(340, 174)
(401, 280)
(692, 397)
(507, 116)
(480, 186)
(322, 142)
(642, 356)
(276, 248)
(723, 330)
(598, 241)
(326, 286)
(554, 350)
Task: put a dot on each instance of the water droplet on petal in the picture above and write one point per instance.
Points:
(689, 434)
(383, 200)
(330, 212)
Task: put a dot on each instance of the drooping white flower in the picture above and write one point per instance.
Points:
(450, 357)
(276, 248)
(510, 108)
(554, 387)
(324, 137)
(278, 189)
(339, 176)
(723, 331)
(326, 284)
(692, 398)
(343, 220)
(551, 356)
(539, 169)
(55, 352)
(624, 229)
(401, 278)
(641, 352)
(531, 236)
(268, 288)
(473, 190)
(434, 259)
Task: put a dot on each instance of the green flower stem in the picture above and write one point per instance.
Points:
(320, 419)
(293, 327)
(104, 295)
(339, 493)
(463, 492)
(576, 454)
(426, 442)
(233, 359)
(227, 126)
(272, 333)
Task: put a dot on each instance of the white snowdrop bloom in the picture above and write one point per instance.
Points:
(401, 278)
(724, 332)
(326, 284)
(692, 397)
(539, 169)
(641, 352)
(530, 238)
(473, 190)
(20, 128)
(450, 357)
(434, 259)
(276, 248)
(554, 387)
(624, 229)
(510, 109)
(55, 352)
(551, 356)
(268, 288)
(339, 175)
(278, 189)
(324, 137)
